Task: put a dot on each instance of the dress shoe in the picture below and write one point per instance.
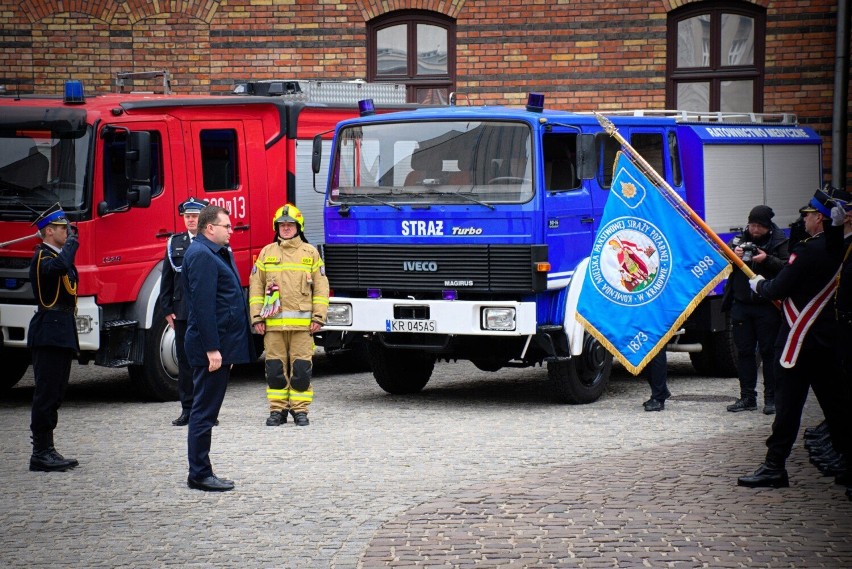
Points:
(743, 405)
(50, 461)
(301, 419)
(765, 477)
(844, 478)
(183, 420)
(276, 418)
(210, 484)
(822, 442)
(769, 408)
(654, 405)
(835, 468)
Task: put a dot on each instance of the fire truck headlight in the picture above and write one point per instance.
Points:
(339, 315)
(498, 318)
(84, 324)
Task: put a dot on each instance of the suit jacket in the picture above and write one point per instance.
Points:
(171, 298)
(54, 281)
(218, 312)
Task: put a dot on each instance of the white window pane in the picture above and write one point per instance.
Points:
(693, 97)
(431, 50)
(737, 96)
(693, 42)
(737, 40)
(392, 50)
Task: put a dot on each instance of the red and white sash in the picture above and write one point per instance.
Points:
(801, 321)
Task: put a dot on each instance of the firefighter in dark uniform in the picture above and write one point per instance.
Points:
(52, 336)
(172, 302)
(805, 346)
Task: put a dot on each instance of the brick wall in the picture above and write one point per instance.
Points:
(584, 54)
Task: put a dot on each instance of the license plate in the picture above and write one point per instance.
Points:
(411, 326)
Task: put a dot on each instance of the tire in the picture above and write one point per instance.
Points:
(157, 378)
(15, 365)
(584, 378)
(400, 372)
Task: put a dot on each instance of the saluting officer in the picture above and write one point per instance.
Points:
(172, 301)
(804, 348)
(52, 336)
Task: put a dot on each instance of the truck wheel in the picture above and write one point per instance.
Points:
(157, 377)
(15, 364)
(583, 378)
(400, 372)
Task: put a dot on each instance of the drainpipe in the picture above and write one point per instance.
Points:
(839, 126)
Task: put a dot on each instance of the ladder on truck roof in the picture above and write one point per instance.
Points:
(122, 78)
(329, 92)
(711, 116)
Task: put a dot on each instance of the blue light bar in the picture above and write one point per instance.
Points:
(449, 294)
(535, 102)
(366, 107)
(74, 93)
(374, 293)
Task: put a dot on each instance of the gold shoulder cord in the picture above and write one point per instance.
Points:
(72, 290)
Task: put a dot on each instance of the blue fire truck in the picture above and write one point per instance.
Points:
(460, 232)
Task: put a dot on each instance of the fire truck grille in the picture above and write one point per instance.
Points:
(473, 268)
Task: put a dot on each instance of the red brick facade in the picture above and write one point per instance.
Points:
(595, 54)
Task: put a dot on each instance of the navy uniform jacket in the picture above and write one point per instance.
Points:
(218, 311)
(54, 281)
(811, 266)
(171, 288)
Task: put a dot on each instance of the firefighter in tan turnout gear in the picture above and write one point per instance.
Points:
(288, 301)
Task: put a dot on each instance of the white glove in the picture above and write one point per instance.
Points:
(752, 282)
(838, 216)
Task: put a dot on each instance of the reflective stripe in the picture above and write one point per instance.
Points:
(288, 322)
(256, 300)
(301, 395)
(284, 267)
(319, 300)
(277, 394)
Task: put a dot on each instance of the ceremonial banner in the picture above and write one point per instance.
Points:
(648, 270)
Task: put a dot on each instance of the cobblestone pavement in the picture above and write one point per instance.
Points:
(479, 470)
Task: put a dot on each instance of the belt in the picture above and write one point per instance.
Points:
(69, 309)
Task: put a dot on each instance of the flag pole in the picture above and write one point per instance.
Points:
(609, 127)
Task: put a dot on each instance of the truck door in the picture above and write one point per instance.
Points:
(569, 218)
(128, 238)
(220, 165)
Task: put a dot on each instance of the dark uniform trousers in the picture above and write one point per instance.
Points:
(51, 368)
(185, 381)
(815, 368)
(755, 326)
(209, 392)
(658, 376)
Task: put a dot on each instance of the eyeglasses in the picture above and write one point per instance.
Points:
(228, 227)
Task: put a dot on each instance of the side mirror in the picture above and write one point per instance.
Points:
(316, 155)
(587, 163)
(139, 196)
(137, 158)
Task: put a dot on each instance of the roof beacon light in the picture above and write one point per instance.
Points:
(366, 107)
(74, 93)
(535, 102)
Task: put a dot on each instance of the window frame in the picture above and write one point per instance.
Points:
(716, 73)
(413, 81)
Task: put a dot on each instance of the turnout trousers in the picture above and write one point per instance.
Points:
(289, 367)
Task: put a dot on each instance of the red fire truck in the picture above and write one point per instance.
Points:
(119, 164)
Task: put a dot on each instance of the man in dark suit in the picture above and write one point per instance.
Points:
(52, 336)
(218, 336)
(172, 301)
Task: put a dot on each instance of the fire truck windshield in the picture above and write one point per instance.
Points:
(451, 162)
(39, 168)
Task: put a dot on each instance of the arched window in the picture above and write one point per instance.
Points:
(416, 48)
(715, 57)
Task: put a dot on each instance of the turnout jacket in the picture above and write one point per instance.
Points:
(171, 288)
(298, 270)
(54, 280)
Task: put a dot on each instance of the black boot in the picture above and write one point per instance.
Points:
(769, 406)
(45, 458)
(816, 432)
(769, 475)
(183, 420)
(744, 404)
(276, 418)
(301, 419)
